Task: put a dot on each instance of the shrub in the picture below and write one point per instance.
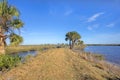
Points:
(8, 61)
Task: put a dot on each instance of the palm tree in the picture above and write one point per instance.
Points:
(79, 42)
(10, 25)
(72, 37)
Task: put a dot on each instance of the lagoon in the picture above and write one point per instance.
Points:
(111, 53)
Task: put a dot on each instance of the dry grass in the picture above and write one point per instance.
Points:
(88, 69)
(16, 49)
(58, 64)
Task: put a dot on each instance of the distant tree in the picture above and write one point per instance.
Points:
(10, 24)
(80, 42)
(73, 37)
(80, 45)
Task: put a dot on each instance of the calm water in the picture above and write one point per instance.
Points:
(24, 54)
(111, 53)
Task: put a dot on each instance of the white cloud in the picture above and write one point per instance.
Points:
(93, 27)
(94, 17)
(68, 12)
(111, 25)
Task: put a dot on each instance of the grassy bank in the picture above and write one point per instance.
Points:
(16, 49)
(62, 64)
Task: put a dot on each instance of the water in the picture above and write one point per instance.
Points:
(24, 54)
(111, 53)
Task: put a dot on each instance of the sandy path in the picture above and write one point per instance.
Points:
(59, 64)
(50, 65)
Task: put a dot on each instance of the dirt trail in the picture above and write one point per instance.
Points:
(50, 65)
(59, 64)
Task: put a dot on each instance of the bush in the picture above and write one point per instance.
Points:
(8, 61)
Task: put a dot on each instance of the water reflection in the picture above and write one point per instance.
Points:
(24, 54)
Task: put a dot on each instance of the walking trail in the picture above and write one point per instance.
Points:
(56, 64)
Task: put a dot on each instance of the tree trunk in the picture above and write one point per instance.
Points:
(2, 42)
(70, 45)
(2, 46)
(2, 50)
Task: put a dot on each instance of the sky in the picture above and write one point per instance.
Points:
(47, 21)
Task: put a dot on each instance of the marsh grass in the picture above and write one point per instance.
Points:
(90, 67)
(16, 49)
(61, 64)
(98, 61)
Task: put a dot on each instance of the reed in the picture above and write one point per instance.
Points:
(62, 64)
(16, 49)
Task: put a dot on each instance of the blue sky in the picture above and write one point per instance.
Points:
(47, 21)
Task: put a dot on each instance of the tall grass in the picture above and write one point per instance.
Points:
(12, 49)
(98, 61)
(61, 64)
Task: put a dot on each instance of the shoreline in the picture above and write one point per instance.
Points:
(61, 64)
(102, 44)
(105, 62)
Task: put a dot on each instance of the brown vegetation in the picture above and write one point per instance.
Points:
(12, 49)
(60, 64)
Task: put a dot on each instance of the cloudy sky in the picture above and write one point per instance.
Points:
(47, 21)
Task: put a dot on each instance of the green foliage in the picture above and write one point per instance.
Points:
(10, 23)
(80, 45)
(7, 61)
(15, 39)
(73, 37)
(79, 42)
